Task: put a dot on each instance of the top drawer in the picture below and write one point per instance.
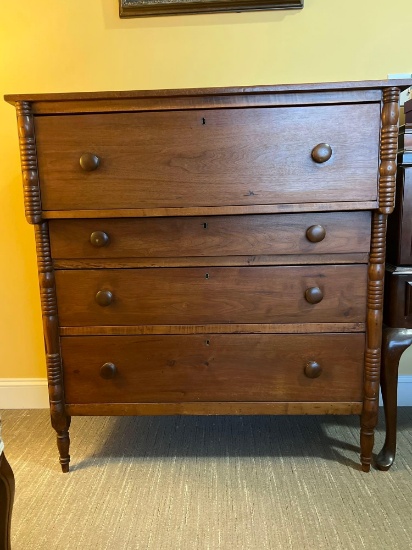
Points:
(209, 158)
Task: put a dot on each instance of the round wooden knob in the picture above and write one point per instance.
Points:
(315, 233)
(99, 239)
(313, 369)
(89, 162)
(321, 153)
(108, 371)
(314, 295)
(104, 298)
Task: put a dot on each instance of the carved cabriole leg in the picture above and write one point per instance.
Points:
(60, 421)
(376, 272)
(394, 342)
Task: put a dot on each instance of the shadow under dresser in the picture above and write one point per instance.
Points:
(212, 251)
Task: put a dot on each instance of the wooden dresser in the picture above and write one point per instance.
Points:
(212, 251)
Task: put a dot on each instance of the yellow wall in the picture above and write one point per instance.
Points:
(78, 45)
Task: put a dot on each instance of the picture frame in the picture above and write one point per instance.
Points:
(151, 8)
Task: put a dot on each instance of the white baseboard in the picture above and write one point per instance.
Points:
(405, 390)
(31, 393)
(24, 393)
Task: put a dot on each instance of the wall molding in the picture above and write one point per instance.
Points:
(24, 393)
(32, 393)
(405, 390)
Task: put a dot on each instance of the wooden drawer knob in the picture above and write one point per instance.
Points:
(321, 153)
(100, 238)
(315, 233)
(108, 371)
(313, 369)
(314, 295)
(104, 298)
(89, 162)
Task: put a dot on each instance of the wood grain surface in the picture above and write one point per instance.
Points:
(217, 407)
(209, 210)
(345, 232)
(212, 295)
(209, 261)
(222, 157)
(216, 367)
(261, 328)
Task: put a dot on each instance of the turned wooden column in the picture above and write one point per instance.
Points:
(397, 332)
(376, 271)
(32, 202)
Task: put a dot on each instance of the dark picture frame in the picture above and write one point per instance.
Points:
(150, 8)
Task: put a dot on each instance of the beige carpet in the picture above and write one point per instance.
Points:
(206, 483)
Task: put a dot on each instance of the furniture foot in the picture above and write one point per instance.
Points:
(366, 443)
(6, 501)
(394, 342)
(366, 467)
(63, 444)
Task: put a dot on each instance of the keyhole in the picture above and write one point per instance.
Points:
(205, 225)
(207, 342)
(207, 276)
(203, 121)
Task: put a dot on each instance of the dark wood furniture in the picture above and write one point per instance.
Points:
(397, 332)
(151, 8)
(6, 501)
(213, 251)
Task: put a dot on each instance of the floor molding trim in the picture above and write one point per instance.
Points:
(31, 393)
(405, 390)
(24, 393)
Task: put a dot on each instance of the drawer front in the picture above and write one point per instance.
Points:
(314, 233)
(217, 367)
(208, 158)
(173, 296)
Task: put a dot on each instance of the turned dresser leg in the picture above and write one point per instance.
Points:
(367, 439)
(62, 426)
(6, 501)
(394, 342)
(376, 270)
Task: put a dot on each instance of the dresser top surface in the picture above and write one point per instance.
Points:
(190, 92)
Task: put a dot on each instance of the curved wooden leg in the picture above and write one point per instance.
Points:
(6, 501)
(394, 342)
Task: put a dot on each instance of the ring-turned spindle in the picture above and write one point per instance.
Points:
(313, 369)
(321, 153)
(89, 162)
(315, 233)
(108, 371)
(104, 298)
(99, 239)
(314, 295)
